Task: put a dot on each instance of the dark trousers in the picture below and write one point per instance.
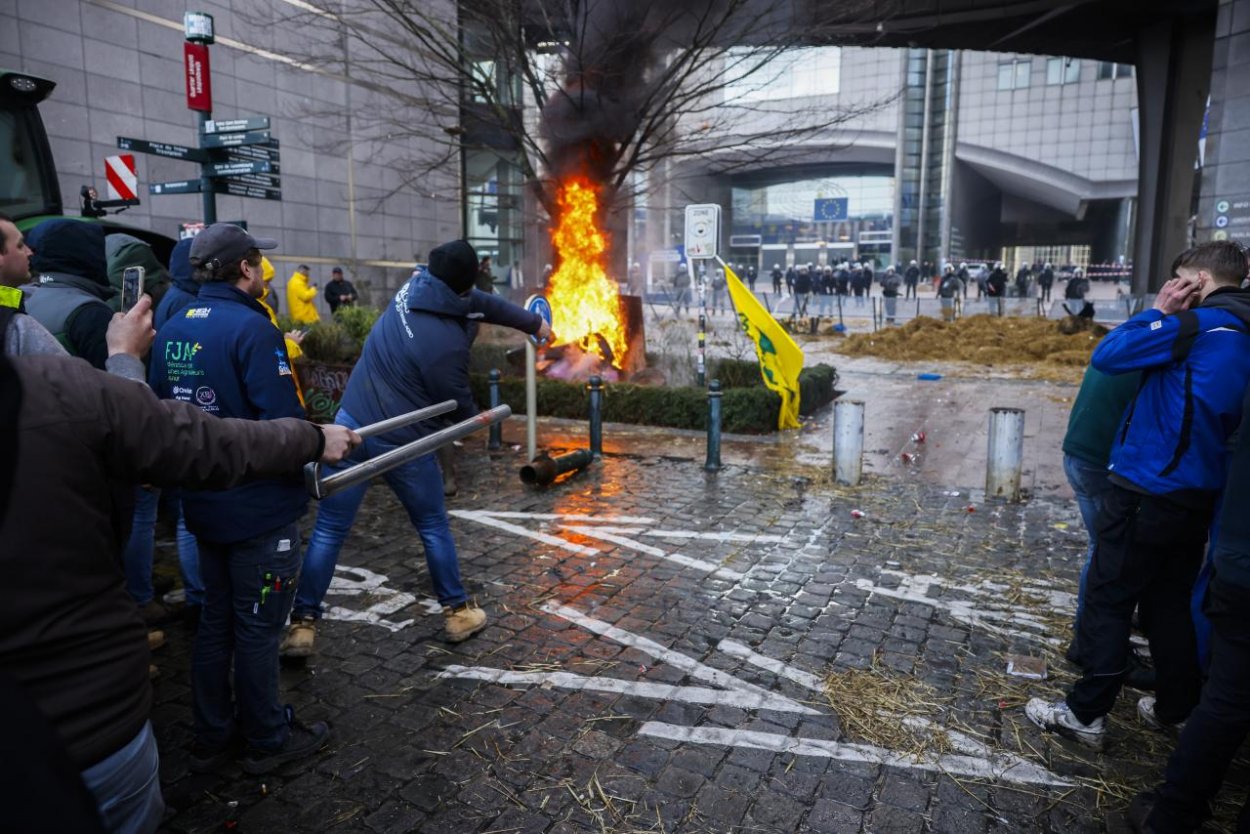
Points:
(1218, 725)
(249, 587)
(909, 292)
(1148, 552)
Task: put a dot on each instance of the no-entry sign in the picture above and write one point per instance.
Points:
(199, 79)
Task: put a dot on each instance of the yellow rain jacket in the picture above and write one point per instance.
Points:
(293, 351)
(299, 300)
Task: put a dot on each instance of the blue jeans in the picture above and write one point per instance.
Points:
(1090, 484)
(127, 786)
(419, 486)
(140, 550)
(248, 590)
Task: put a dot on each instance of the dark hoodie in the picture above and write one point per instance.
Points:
(184, 289)
(418, 353)
(71, 292)
(122, 251)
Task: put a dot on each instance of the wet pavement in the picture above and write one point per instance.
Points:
(672, 650)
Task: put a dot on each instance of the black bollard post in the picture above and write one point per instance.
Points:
(701, 368)
(713, 427)
(495, 443)
(596, 416)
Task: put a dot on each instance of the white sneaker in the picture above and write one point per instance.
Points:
(1055, 717)
(1146, 712)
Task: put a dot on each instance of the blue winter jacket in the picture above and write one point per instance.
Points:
(184, 289)
(418, 354)
(223, 354)
(1174, 436)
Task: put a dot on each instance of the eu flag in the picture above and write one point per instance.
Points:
(831, 208)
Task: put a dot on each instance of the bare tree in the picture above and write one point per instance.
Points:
(604, 88)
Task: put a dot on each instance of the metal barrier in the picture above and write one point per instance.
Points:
(713, 463)
(595, 386)
(848, 441)
(1005, 459)
(496, 429)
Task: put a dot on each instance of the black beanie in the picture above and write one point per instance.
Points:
(455, 264)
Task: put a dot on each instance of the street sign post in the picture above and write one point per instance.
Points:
(535, 304)
(702, 243)
(175, 187)
(238, 189)
(199, 79)
(230, 169)
(236, 125)
(230, 140)
(126, 143)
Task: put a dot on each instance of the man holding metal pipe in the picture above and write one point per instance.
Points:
(417, 355)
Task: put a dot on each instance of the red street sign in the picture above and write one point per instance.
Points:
(199, 80)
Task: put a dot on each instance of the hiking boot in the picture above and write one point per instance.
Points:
(300, 638)
(202, 758)
(156, 639)
(304, 740)
(1056, 717)
(1146, 712)
(463, 622)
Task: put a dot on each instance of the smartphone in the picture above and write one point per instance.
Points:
(132, 287)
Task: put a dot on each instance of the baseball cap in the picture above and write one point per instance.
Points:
(225, 243)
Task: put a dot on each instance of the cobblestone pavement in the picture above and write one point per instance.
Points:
(656, 661)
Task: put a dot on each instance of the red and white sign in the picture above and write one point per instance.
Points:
(199, 80)
(120, 172)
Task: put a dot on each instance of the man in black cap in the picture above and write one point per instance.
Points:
(222, 354)
(416, 355)
(339, 292)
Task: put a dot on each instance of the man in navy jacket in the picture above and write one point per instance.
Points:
(1168, 465)
(222, 354)
(416, 355)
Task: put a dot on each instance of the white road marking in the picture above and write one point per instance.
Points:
(999, 766)
(805, 679)
(609, 519)
(678, 558)
(745, 538)
(554, 541)
(353, 581)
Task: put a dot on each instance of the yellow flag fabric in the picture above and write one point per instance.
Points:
(780, 358)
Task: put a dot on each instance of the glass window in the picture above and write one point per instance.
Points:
(1014, 75)
(1023, 69)
(22, 172)
(1006, 77)
(1063, 71)
(814, 71)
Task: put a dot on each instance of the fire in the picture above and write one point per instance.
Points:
(585, 302)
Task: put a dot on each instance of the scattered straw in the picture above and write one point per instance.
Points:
(871, 702)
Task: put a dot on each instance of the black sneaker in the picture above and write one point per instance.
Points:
(202, 758)
(304, 740)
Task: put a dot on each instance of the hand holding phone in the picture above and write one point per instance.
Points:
(132, 287)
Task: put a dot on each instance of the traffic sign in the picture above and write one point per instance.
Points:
(539, 304)
(260, 180)
(199, 81)
(175, 187)
(249, 152)
(702, 230)
(228, 140)
(126, 143)
(230, 169)
(238, 189)
(236, 125)
(120, 172)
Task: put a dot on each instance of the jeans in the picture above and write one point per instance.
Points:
(1089, 482)
(1148, 553)
(140, 551)
(249, 587)
(419, 486)
(1218, 725)
(127, 786)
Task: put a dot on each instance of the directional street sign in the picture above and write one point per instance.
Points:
(161, 149)
(236, 125)
(175, 187)
(229, 140)
(238, 189)
(259, 180)
(250, 152)
(229, 169)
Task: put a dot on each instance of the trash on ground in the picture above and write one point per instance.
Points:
(1023, 666)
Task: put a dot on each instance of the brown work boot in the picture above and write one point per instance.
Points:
(156, 639)
(300, 638)
(463, 622)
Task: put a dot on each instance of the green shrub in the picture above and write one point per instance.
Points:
(330, 342)
(357, 321)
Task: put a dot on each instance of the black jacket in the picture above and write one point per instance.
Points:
(335, 289)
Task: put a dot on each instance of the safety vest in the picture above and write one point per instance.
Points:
(11, 303)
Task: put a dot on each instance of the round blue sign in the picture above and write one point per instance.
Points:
(539, 304)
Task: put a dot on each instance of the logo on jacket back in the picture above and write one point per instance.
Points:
(205, 396)
(181, 351)
(284, 369)
(401, 307)
(199, 312)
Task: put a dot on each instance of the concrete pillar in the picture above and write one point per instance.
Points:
(1226, 173)
(1173, 77)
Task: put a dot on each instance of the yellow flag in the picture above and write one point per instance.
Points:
(780, 358)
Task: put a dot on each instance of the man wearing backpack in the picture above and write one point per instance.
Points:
(1168, 465)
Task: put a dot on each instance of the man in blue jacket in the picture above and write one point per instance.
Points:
(1168, 465)
(222, 354)
(416, 355)
(184, 288)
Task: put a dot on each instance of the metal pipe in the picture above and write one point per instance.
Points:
(322, 488)
(848, 441)
(713, 463)
(544, 469)
(392, 423)
(1005, 458)
(531, 401)
(496, 429)
(596, 416)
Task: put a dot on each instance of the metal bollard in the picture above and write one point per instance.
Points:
(596, 416)
(1005, 458)
(496, 430)
(848, 441)
(713, 463)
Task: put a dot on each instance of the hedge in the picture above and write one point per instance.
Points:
(750, 409)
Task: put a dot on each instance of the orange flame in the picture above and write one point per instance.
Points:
(585, 302)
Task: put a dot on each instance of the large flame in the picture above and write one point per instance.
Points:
(585, 302)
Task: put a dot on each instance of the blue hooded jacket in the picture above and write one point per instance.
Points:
(184, 289)
(1174, 436)
(223, 354)
(418, 354)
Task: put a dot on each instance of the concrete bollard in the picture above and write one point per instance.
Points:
(1005, 458)
(595, 386)
(848, 441)
(496, 430)
(713, 463)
